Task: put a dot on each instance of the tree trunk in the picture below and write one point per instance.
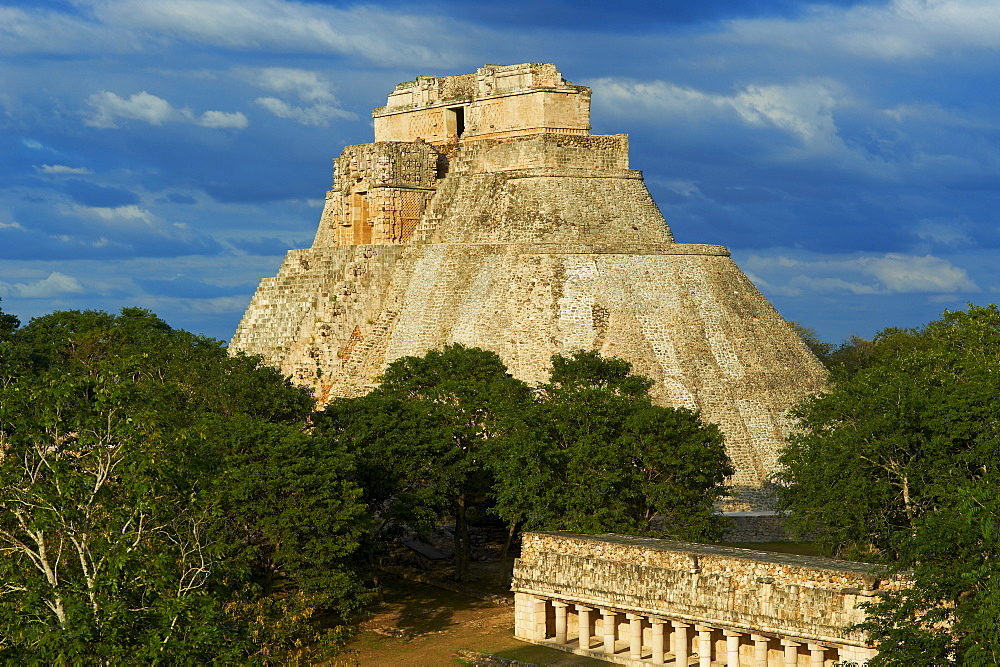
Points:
(510, 538)
(461, 539)
(507, 564)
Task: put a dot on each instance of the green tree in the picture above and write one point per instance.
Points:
(951, 614)
(898, 464)
(8, 323)
(420, 439)
(816, 345)
(851, 355)
(595, 455)
(126, 445)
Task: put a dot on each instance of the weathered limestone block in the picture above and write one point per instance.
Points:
(529, 237)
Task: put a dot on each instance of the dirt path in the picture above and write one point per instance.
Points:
(424, 625)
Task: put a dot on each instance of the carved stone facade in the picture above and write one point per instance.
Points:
(643, 601)
(486, 214)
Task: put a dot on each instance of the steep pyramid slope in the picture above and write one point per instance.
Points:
(486, 214)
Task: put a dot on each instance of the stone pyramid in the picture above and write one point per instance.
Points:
(485, 213)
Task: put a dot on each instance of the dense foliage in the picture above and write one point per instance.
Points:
(164, 502)
(849, 355)
(898, 463)
(154, 491)
(593, 454)
(452, 432)
(421, 439)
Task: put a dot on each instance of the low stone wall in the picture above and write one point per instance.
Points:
(647, 597)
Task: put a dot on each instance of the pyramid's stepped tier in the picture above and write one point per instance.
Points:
(304, 320)
(485, 214)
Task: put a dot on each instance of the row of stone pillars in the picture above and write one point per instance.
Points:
(681, 639)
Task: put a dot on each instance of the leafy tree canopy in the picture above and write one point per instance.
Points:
(593, 454)
(419, 439)
(453, 432)
(898, 463)
(127, 449)
(816, 345)
(850, 355)
(8, 323)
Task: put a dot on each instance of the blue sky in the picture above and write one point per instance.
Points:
(166, 153)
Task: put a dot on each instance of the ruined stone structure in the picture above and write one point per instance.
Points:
(641, 601)
(486, 214)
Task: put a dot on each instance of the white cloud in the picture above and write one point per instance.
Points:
(891, 273)
(943, 232)
(902, 274)
(48, 31)
(55, 284)
(318, 115)
(319, 104)
(275, 25)
(143, 106)
(120, 215)
(61, 169)
(897, 30)
(803, 109)
(223, 120)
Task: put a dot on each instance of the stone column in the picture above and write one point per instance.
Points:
(791, 652)
(704, 645)
(560, 608)
(610, 618)
(634, 636)
(657, 633)
(759, 650)
(733, 648)
(584, 625)
(681, 651)
(817, 655)
(534, 618)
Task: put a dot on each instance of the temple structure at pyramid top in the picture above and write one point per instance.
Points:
(485, 213)
(497, 101)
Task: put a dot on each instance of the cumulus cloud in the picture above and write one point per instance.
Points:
(317, 105)
(803, 109)
(891, 273)
(222, 119)
(61, 169)
(109, 108)
(55, 284)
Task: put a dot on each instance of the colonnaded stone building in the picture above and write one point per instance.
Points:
(640, 601)
(485, 213)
